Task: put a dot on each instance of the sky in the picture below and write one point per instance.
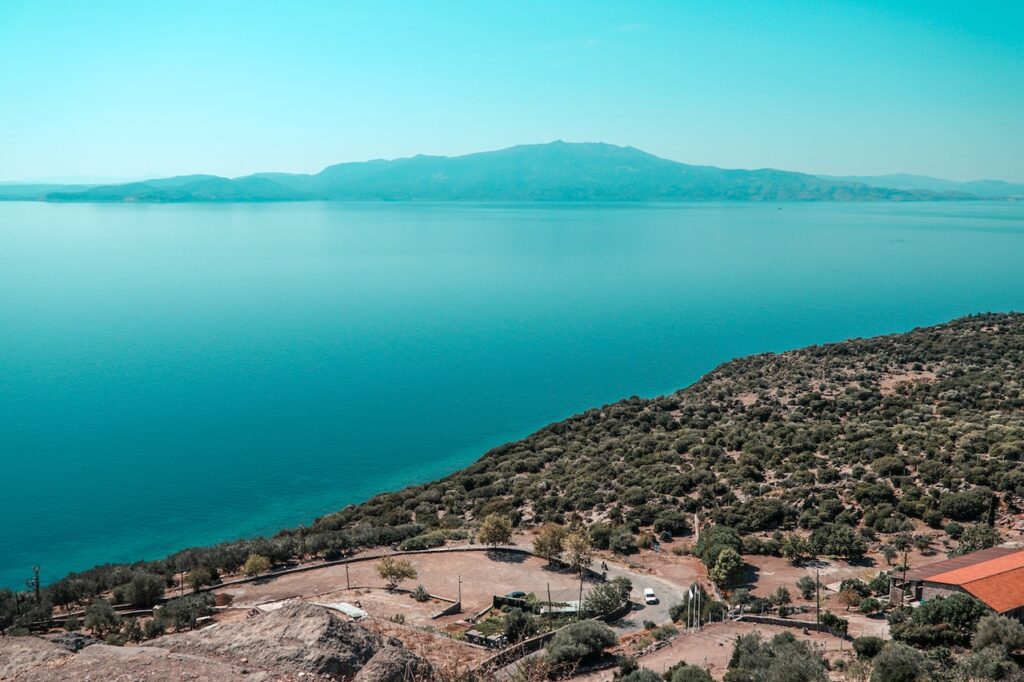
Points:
(124, 90)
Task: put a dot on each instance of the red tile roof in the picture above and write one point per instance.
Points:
(983, 569)
(998, 582)
(946, 565)
(1001, 593)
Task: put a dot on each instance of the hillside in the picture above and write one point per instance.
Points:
(880, 433)
(843, 449)
(557, 171)
(989, 189)
(885, 435)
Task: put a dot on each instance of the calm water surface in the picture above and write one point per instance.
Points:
(179, 375)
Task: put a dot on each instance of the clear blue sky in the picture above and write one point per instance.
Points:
(130, 89)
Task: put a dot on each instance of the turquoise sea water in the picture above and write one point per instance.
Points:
(179, 375)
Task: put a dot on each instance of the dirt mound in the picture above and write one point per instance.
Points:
(298, 637)
(394, 664)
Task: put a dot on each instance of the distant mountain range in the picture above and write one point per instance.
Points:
(993, 189)
(558, 171)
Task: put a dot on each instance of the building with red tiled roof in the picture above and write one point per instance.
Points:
(994, 576)
(970, 559)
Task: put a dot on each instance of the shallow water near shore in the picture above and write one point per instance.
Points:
(175, 375)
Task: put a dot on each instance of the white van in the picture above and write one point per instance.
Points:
(649, 596)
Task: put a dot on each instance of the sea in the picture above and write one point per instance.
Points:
(178, 375)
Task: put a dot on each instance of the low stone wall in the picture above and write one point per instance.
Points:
(450, 610)
(788, 623)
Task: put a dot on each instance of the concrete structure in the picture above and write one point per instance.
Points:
(994, 576)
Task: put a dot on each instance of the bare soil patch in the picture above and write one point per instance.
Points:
(483, 575)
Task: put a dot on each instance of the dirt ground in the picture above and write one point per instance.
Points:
(766, 574)
(483, 575)
(712, 646)
(679, 570)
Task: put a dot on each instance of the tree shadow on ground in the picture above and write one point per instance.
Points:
(748, 581)
(811, 563)
(625, 623)
(505, 556)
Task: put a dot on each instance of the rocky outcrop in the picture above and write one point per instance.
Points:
(298, 637)
(73, 641)
(298, 641)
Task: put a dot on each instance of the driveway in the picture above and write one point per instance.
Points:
(668, 594)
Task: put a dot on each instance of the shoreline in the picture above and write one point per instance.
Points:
(398, 490)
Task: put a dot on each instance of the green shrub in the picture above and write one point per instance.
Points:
(897, 662)
(579, 642)
(422, 542)
(783, 657)
(685, 672)
(945, 621)
(664, 632)
(868, 647)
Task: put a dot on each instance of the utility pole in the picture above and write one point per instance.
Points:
(549, 600)
(903, 591)
(698, 607)
(348, 584)
(460, 592)
(817, 597)
(579, 609)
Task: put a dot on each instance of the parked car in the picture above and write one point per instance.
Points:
(649, 596)
(517, 594)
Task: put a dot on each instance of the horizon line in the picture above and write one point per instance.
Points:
(100, 181)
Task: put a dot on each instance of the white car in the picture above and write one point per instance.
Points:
(649, 596)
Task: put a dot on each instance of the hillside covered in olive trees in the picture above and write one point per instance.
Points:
(846, 443)
(876, 433)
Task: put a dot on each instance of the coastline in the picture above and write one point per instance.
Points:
(888, 385)
(196, 390)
